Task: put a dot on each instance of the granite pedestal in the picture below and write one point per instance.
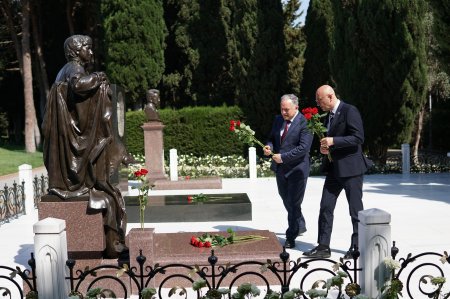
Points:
(84, 226)
(173, 249)
(176, 208)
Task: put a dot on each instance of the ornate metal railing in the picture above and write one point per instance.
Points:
(12, 199)
(416, 274)
(12, 202)
(279, 276)
(12, 287)
(272, 277)
(40, 186)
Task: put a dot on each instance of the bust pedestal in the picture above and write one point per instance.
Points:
(154, 150)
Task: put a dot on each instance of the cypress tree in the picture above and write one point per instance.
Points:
(318, 31)
(181, 56)
(134, 42)
(295, 43)
(260, 68)
(379, 64)
(441, 11)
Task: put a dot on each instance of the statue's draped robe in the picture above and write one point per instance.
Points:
(80, 151)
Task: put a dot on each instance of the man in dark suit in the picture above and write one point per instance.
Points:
(289, 142)
(345, 171)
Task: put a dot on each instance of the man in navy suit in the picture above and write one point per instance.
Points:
(345, 171)
(289, 142)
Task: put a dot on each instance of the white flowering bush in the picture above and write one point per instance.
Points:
(190, 166)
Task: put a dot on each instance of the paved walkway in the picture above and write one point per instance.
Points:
(418, 204)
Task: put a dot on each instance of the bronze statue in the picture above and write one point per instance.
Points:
(80, 150)
(152, 105)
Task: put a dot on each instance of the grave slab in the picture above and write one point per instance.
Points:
(176, 208)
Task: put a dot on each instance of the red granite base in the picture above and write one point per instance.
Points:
(174, 248)
(200, 183)
(85, 234)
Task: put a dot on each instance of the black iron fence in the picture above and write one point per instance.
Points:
(274, 279)
(12, 198)
(40, 186)
(12, 202)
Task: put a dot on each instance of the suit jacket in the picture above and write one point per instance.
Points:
(295, 147)
(348, 134)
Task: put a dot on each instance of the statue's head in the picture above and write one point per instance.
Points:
(74, 44)
(153, 96)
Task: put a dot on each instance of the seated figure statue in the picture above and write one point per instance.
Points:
(152, 105)
(80, 150)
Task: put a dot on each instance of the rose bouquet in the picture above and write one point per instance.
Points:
(244, 133)
(208, 240)
(314, 123)
(144, 187)
(201, 198)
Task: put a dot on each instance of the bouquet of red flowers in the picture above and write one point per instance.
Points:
(314, 124)
(208, 240)
(244, 133)
(141, 176)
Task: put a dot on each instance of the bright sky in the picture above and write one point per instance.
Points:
(303, 7)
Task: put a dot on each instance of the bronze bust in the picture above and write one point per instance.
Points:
(152, 105)
(80, 151)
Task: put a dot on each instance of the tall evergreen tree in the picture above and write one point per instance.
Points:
(181, 56)
(379, 64)
(134, 43)
(318, 31)
(441, 9)
(260, 68)
(295, 43)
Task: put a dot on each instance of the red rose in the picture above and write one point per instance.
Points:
(200, 244)
(207, 244)
(144, 171)
(187, 178)
(231, 123)
(238, 123)
(137, 173)
(314, 110)
(308, 116)
(189, 199)
(193, 240)
(232, 128)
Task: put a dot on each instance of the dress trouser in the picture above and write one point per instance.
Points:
(331, 190)
(292, 190)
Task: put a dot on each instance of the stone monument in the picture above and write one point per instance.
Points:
(153, 138)
(81, 153)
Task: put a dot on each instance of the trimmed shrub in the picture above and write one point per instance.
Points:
(192, 130)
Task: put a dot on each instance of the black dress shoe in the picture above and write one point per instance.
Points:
(318, 252)
(289, 244)
(302, 231)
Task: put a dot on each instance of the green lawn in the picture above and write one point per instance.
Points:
(11, 159)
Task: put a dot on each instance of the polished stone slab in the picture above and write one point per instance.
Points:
(197, 183)
(173, 251)
(176, 208)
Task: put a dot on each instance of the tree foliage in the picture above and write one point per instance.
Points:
(295, 43)
(441, 27)
(318, 32)
(134, 44)
(379, 64)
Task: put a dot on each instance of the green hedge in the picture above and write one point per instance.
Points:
(193, 130)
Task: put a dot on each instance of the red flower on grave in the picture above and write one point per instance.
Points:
(189, 199)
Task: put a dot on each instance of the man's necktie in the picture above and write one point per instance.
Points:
(286, 128)
(330, 120)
